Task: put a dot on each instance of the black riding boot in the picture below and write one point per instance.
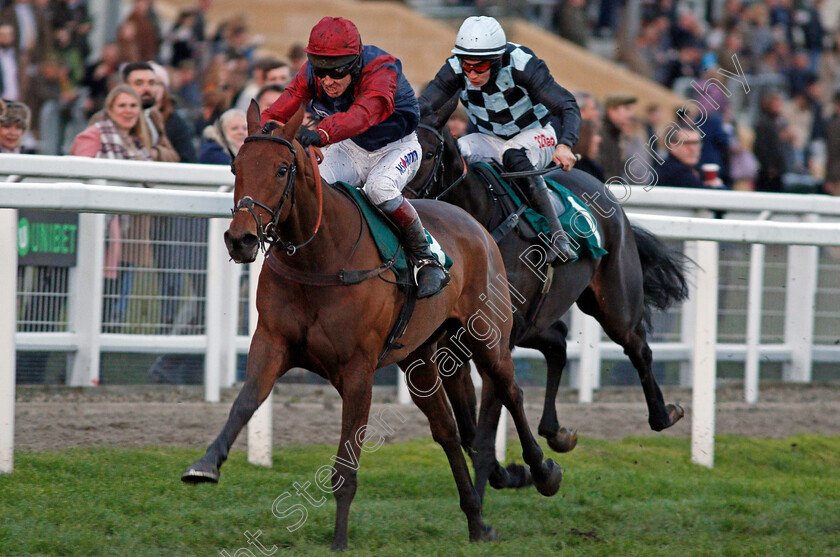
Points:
(431, 276)
(515, 160)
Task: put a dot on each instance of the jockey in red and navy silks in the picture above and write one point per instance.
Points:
(369, 117)
(379, 107)
(524, 118)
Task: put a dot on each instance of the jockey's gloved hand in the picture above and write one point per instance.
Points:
(307, 137)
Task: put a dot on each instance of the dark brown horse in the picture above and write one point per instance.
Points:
(619, 289)
(309, 318)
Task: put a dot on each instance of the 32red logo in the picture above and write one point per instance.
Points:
(544, 141)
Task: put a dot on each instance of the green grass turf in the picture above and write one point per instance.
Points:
(634, 497)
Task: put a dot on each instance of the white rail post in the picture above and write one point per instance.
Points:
(403, 394)
(214, 310)
(704, 357)
(800, 299)
(85, 300)
(501, 436)
(260, 426)
(754, 303)
(230, 322)
(8, 326)
(590, 358)
(576, 333)
(688, 316)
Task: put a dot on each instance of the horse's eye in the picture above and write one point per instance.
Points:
(282, 170)
(429, 155)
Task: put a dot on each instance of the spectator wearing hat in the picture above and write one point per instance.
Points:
(176, 129)
(618, 119)
(14, 123)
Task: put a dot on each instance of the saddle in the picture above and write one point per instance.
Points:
(511, 212)
(386, 236)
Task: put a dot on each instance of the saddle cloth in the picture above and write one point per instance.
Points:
(575, 217)
(385, 235)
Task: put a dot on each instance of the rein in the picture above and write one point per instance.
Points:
(268, 233)
(527, 173)
(437, 165)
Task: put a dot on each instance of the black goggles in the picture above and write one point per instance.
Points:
(337, 72)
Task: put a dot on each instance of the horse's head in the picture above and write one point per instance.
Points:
(265, 168)
(440, 164)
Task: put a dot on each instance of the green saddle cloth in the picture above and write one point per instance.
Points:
(386, 239)
(575, 218)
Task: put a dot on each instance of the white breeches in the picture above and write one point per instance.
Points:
(384, 172)
(539, 144)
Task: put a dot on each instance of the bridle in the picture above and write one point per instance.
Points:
(437, 165)
(268, 233)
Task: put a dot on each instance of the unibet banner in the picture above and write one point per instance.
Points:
(47, 238)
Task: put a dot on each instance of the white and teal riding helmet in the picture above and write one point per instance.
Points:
(480, 37)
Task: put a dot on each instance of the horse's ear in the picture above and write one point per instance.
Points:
(437, 119)
(291, 128)
(253, 118)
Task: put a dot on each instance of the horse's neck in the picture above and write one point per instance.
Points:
(473, 196)
(336, 234)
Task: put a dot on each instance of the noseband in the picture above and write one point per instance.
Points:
(438, 168)
(268, 233)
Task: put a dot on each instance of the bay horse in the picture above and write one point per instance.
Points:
(310, 317)
(620, 289)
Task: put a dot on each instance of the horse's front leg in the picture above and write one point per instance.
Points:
(356, 390)
(267, 361)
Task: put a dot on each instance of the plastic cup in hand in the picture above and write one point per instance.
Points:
(710, 172)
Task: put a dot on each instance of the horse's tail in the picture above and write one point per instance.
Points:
(663, 271)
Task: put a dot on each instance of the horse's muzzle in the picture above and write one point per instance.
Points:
(242, 248)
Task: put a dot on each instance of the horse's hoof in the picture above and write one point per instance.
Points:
(338, 548)
(487, 534)
(549, 479)
(563, 441)
(519, 476)
(675, 412)
(201, 472)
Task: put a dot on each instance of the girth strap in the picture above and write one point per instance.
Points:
(531, 318)
(508, 224)
(341, 278)
(401, 325)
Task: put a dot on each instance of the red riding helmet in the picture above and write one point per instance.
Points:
(333, 42)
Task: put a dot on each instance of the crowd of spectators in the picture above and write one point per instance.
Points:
(191, 77)
(781, 140)
(779, 137)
